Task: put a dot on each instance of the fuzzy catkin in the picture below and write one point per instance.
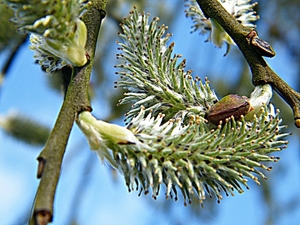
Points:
(167, 141)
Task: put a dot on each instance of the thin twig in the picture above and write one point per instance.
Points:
(76, 100)
(11, 57)
(261, 72)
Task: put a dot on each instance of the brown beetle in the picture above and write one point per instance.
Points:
(230, 105)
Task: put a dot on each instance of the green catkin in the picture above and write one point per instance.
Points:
(169, 142)
(58, 36)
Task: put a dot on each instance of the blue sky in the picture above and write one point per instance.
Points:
(104, 198)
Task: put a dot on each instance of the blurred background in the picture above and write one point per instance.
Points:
(89, 192)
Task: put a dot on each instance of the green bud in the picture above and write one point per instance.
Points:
(103, 136)
(25, 129)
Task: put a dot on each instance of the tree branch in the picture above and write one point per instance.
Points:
(76, 100)
(261, 72)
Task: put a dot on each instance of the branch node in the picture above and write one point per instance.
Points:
(259, 45)
(41, 166)
(43, 217)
